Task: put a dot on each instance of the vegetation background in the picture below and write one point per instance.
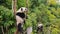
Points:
(46, 12)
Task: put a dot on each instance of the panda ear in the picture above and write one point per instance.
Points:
(21, 9)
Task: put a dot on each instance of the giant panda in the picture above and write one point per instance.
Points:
(20, 18)
(40, 27)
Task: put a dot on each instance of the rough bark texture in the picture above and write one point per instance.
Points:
(2, 29)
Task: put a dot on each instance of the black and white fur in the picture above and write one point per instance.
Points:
(40, 27)
(20, 18)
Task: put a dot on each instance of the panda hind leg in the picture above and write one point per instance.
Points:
(20, 28)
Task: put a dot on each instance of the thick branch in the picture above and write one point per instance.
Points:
(14, 6)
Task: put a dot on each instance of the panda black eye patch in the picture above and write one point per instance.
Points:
(22, 15)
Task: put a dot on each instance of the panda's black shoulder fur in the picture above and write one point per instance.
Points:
(22, 15)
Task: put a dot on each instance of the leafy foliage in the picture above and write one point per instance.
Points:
(46, 12)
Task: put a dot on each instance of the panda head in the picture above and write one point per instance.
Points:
(40, 25)
(22, 10)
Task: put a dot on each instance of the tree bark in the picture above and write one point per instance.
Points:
(16, 32)
(14, 2)
(2, 29)
(6, 29)
(14, 6)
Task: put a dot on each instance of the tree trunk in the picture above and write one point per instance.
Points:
(14, 6)
(6, 30)
(2, 29)
(14, 2)
(16, 32)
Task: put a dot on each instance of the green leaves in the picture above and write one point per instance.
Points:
(6, 17)
(21, 3)
(46, 12)
(30, 21)
(8, 23)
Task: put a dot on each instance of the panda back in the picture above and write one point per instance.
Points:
(19, 20)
